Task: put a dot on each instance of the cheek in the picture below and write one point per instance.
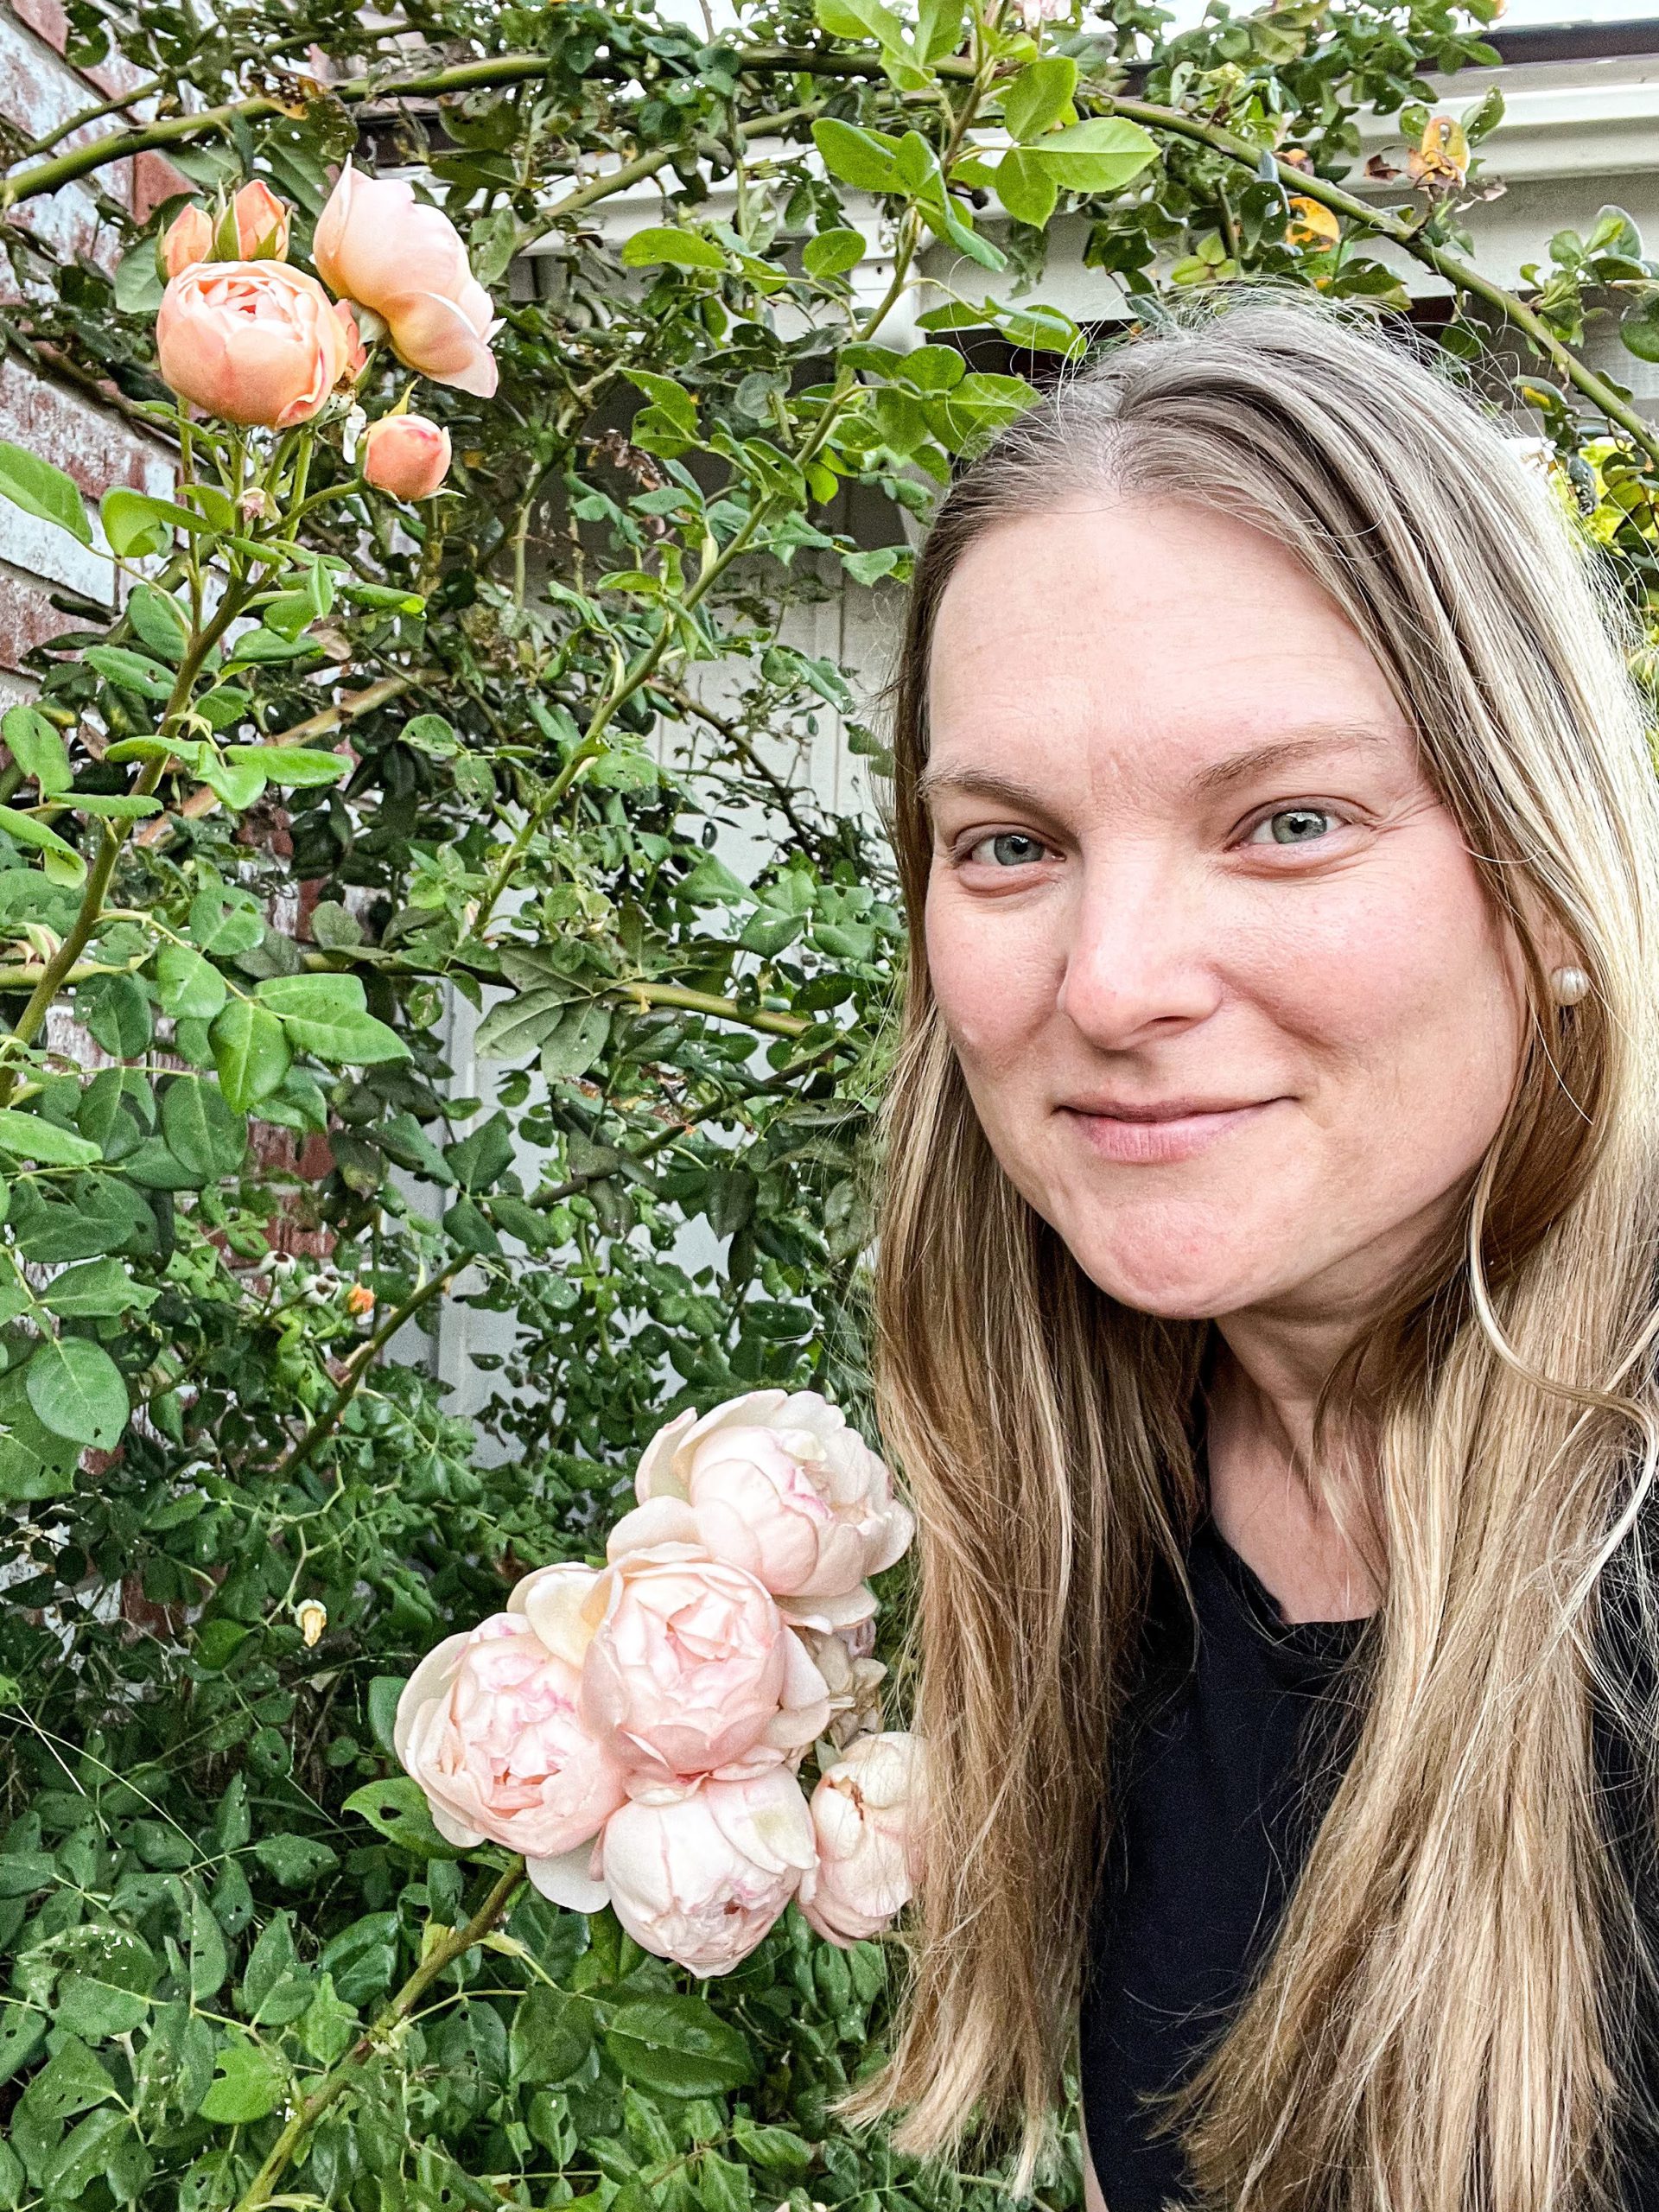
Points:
(1412, 988)
(992, 972)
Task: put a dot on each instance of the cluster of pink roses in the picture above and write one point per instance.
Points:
(248, 339)
(636, 1731)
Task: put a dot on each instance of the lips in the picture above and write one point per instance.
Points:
(1158, 1135)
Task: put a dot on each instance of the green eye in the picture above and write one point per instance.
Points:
(1294, 825)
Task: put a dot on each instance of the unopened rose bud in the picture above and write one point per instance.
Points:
(189, 239)
(313, 1618)
(255, 503)
(261, 223)
(406, 455)
(359, 1299)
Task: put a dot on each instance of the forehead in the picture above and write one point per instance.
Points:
(1137, 635)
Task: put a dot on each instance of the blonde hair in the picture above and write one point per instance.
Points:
(1445, 2021)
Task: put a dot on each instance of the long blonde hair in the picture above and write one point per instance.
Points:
(1445, 2021)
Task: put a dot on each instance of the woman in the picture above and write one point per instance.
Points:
(1267, 1290)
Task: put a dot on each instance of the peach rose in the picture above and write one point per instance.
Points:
(776, 1483)
(250, 341)
(487, 1724)
(700, 1877)
(687, 1666)
(406, 455)
(380, 246)
(261, 223)
(867, 1819)
(188, 239)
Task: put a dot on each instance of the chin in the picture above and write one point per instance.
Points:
(1175, 1280)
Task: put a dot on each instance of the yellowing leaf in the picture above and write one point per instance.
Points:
(1312, 224)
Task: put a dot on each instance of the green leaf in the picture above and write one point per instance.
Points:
(78, 1392)
(671, 399)
(327, 1016)
(551, 2035)
(833, 253)
(130, 671)
(38, 748)
(293, 1859)
(96, 1290)
(863, 159)
(857, 19)
(1039, 95)
(95, 2009)
(1100, 155)
(521, 1026)
(235, 784)
(1026, 189)
(679, 2046)
(664, 244)
(210, 1961)
(39, 489)
(293, 765)
(27, 1136)
(396, 1808)
(1638, 326)
(577, 1042)
(135, 524)
(26, 830)
(246, 2085)
(159, 622)
(190, 987)
(938, 27)
(201, 1129)
(385, 1690)
(226, 922)
(115, 1009)
(778, 2148)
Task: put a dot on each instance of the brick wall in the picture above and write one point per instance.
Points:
(52, 416)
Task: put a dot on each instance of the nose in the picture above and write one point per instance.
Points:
(1141, 961)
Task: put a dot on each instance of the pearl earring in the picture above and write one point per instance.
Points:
(1569, 985)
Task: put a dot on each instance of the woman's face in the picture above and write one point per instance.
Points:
(1232, 1009)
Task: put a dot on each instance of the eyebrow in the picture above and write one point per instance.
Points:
(1222, 775)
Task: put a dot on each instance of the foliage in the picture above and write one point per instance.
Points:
(335, 766)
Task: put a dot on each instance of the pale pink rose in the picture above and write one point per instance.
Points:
(852, 1678)
(379, 246)
(250, 341)
(687, 1666)
(261, 223)
(700, 1876)
(489, 1725)
(868, 1812)
(406, 455)
(188, 239)
(776, 1483)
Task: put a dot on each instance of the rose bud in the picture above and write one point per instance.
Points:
(780, 1485)
(406, 455)
(687, 1665)
(261, 223)
(378, 244)
(866, 1819)
(487, 1724)
(250, 341)
(188, 239)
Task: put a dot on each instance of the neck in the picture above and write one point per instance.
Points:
(1302, 1526)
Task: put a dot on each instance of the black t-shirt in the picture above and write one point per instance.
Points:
(1226, 1769)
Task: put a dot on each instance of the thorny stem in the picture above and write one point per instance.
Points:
(339, 2076)
(1406, 233)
